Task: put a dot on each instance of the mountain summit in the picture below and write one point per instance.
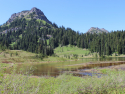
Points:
(33, 13)
(96, 30)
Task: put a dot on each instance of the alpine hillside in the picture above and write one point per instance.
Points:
(31, 31)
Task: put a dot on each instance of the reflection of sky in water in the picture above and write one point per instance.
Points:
(93, 74)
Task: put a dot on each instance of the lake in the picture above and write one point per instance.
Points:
(57, 68)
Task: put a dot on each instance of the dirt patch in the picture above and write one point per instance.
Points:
(118, 67)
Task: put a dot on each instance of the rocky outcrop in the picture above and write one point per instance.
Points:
(11, 29)
(96, 30)
(33, 13)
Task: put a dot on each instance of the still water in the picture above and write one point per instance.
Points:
(56, 68)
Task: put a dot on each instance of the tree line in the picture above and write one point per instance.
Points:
(32, 37)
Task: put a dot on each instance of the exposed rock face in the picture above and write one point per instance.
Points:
(37, 11)
(11, 29)
(34, 12)
(96, 30)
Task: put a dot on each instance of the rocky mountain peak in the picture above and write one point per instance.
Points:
(37, 11)
(93, 30)
(34, 9)
(37, 14)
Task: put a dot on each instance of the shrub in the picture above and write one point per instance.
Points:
(75, 56)
(16, 54)
(11, 54)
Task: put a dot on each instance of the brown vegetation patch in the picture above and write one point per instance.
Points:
(5, 61)
(17, 60)
(119, 67)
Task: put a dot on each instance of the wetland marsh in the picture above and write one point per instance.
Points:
(25, 67)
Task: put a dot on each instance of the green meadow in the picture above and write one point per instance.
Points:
(69, 49)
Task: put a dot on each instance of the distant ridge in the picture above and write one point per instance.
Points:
(33, 13)
(96, 30)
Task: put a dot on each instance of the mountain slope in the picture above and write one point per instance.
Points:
(29, 31)
(38, 36)
(23, 19)
(96, 30)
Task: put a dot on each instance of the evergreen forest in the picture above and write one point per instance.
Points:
(38, 36)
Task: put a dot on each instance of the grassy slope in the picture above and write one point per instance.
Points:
(18, 56)
(28, 57)
(65, 51)
(70, 50)
(44, 22)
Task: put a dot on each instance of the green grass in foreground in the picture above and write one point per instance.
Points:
(4, 65)
(114, 83)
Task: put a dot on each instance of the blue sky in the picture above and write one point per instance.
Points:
(80, 15)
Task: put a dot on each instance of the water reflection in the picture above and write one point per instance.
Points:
(45, 70)
(54, 69)
(34, 69)
(92, 74)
